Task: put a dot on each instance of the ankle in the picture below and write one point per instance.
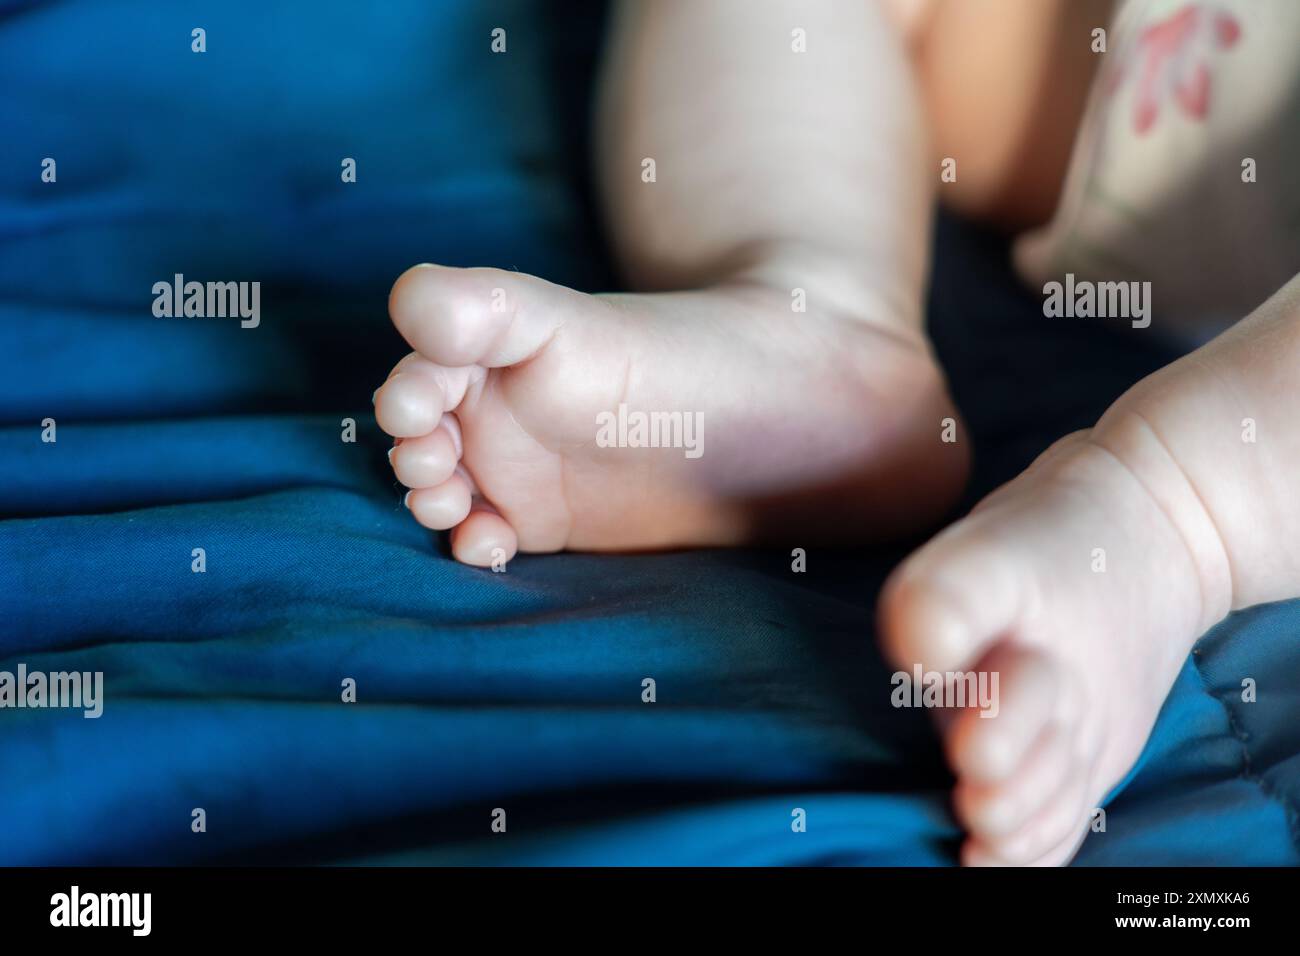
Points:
(825, 281)
(1149, 455)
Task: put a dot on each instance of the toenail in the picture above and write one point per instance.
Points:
(372, 396)
(390, 452)
(406, 501)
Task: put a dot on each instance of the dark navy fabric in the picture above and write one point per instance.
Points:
(475, 690)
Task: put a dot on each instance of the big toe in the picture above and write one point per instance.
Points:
(952, 600)
(488, 317)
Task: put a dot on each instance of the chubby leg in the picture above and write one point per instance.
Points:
(1085, 581)
(763, 169)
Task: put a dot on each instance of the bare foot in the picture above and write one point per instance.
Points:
(1085, 581)
(1083, 584)
(812, 425)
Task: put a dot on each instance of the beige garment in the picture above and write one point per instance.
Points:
(1193, 99)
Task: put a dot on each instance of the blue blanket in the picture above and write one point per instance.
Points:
(474, 691)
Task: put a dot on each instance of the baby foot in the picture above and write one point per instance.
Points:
(1083, 584)
(819, 425)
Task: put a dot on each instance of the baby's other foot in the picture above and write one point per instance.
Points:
(1076, 587)
(520, 412)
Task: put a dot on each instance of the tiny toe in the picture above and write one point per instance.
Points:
(991, 811)
(1063, 852)
(1061, 819)
(484, 539)
(443, 506)
(408, 405)
(425, 461)
(987, 746)
(977, 853)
